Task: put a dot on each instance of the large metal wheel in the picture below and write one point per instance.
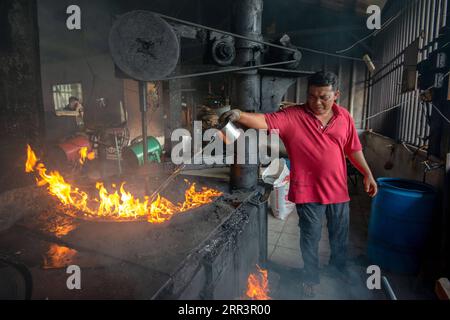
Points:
(144, 46)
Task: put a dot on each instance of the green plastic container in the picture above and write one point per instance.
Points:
(134, 154)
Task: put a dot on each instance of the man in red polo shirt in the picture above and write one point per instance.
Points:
(318, 136)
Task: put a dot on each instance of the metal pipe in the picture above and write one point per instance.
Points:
(118, 153)
(415, 129)
(248, 22)
(369, 102)
(363, 113)
(352, 89)
(144, 108)
(445, 216)
(388, 289)
(422, 129)
(229, 70)
(445, 13)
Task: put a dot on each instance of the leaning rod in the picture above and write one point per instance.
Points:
(144, 109)
(388, 289)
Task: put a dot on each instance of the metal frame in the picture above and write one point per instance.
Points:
(410, 120)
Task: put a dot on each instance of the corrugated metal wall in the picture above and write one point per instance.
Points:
(418, 20)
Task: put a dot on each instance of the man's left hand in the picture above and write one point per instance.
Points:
(370, 186)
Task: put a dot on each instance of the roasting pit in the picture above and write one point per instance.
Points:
(206, 252)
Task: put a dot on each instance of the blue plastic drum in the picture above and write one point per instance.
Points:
(400, 223)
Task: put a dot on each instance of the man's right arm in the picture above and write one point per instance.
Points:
(250, 120)
(253, 120)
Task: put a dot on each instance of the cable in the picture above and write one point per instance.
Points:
(223, 32)
(402, 103)
(382, 112)
(440, 113)
(399, 105)
(229, 70)
(374, 33)
(443, 77)
(329, 54)
(254, 40)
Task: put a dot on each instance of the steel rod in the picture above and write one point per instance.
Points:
(207, 73)
(388, 289)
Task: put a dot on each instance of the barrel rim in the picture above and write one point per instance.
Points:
(384, 181)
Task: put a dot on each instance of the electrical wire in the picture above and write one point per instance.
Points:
(384, 26)
(329, 54)
(293, 49)
(387, 23)
(443, 77)
(229, 70)
(440, 113)
(382, 112)
(192, 24)
(402, 103)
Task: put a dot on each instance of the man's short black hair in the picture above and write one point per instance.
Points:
(73, 99)
(323, 79)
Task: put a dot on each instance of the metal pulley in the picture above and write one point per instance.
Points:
(144, 46)
(277, 54)
(223, 52)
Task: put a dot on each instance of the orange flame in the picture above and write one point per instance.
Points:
(120, 204)
(85, 155)
(194, 199)
(258, 285)
(58, 257)
(31, 160)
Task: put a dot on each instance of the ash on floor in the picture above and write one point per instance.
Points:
(285, 262)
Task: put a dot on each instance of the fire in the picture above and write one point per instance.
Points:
(58, 257)
(258, 285)
(196, 199)
(85, 155)
(31, 160)
(58, 225)
(117, 204)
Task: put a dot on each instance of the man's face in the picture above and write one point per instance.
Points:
(321, 99)
(73, 104)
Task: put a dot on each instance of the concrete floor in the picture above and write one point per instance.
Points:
(284, 236)
(285, 256)
(285, 262)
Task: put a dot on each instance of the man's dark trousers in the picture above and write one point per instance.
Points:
(311, 216)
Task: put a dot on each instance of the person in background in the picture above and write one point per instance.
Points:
(75, 105)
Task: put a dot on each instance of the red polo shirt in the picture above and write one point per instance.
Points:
(317, 154)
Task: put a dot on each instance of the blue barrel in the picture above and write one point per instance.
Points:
(288, 163)
(400, 224)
